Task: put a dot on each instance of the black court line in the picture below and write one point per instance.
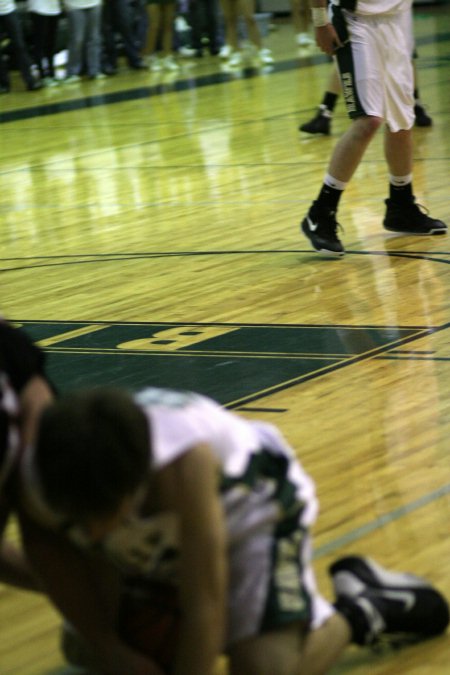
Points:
(413, 352)
(226, 324)
(248, 408)
(118, 257)
(181, 85)
(412, 357)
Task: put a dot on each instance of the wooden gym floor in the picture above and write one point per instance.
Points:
(149, 235)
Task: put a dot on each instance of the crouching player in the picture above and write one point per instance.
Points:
(172, 487)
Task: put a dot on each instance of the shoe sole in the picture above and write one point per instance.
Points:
(325, 253)
(314, 133)
(437, 231)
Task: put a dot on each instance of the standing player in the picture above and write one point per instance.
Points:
(377, 87)
(171, 486)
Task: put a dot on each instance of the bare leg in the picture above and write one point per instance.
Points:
(398, 151)
(300, 15)
(168, 16)
(324, 646)
(292, 650)
(352, 146)
(154, 18)
(247, 8)
(230, 15)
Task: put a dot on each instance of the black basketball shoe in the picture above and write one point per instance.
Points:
(319, 124)
(411, 218)
(422, 119)
(320, 226)
(386, 607)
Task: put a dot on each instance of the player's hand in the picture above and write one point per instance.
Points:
(327, 39)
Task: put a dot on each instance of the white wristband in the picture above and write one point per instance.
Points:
(319, 17)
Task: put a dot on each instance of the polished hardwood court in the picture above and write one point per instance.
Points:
(149, 234)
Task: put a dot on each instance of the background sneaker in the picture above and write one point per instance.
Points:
(72, 79)
(236, 59)
(304, 40)
(319, 124)
(225, 52)
(265, 56)
(49, 82)
(411, 218)
(169, 63)
(422, 118)
(187, 52)
(154, 64)
(385, 606)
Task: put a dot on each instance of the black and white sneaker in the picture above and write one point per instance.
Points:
(411, 218)
(422, 118)
(319, 124)
(320, 226)
(386, 607)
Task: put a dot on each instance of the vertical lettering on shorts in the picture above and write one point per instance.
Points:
(287, 599)
(344, 57)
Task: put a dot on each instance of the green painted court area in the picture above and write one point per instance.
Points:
(233, 363)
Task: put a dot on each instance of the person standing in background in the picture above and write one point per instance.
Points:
(116, 18)
(301, 18)
(203, 18)
(10, 23)
(232, 10)
(84, 39)
(378, 88)
(161, 18)
(45, 15)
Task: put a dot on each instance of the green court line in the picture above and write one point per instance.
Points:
(376, 524)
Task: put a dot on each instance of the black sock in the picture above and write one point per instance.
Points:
(330, 100)
(401, 194)
(329, 197)
(416, 95)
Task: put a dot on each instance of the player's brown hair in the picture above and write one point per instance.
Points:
(92, 450)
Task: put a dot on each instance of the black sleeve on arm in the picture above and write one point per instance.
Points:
(19, 357)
